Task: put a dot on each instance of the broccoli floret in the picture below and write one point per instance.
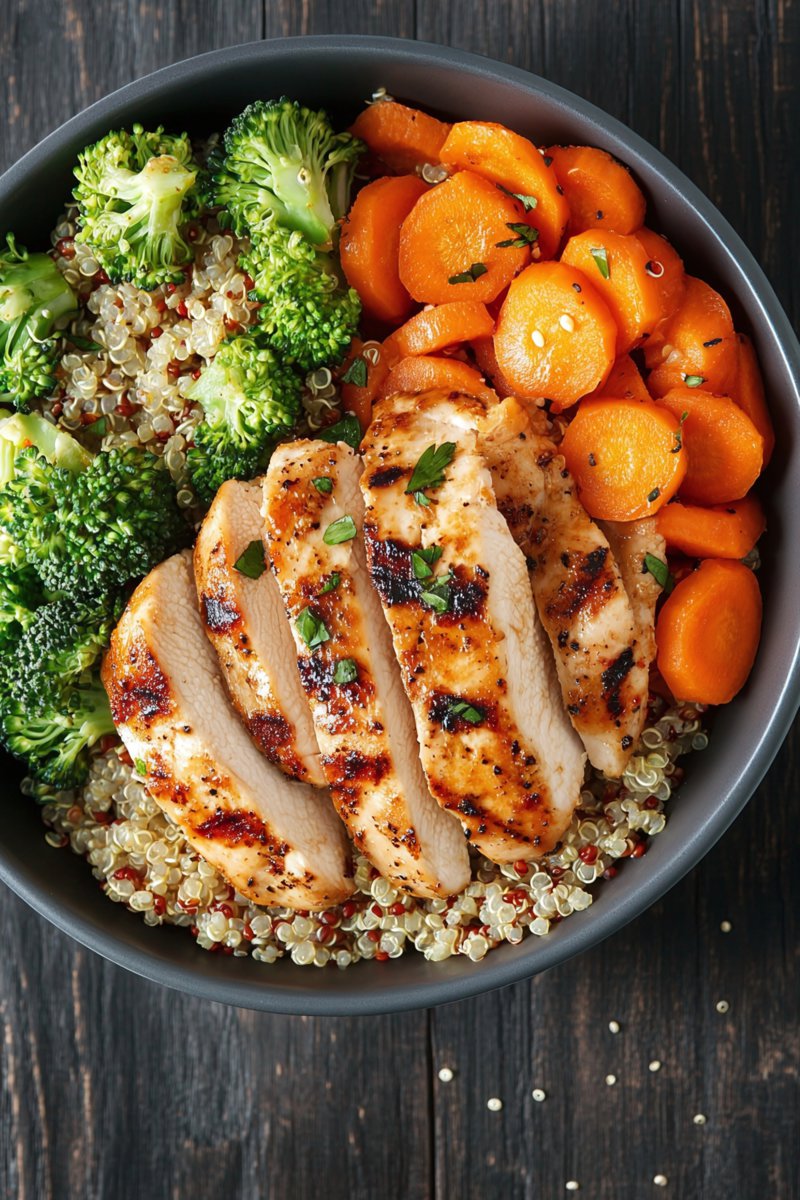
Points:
(54, 740)
(33, 296)
(306, 314)
(21, 594)
(283, 159)
(136, 192)
(63, 641)
(86, 524)
(248, 398)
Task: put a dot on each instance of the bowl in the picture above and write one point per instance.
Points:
(202, 94)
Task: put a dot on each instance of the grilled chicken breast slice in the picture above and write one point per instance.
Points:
(277, 842)
(496, 745)
(364, 723)
(631, 542)
(246, 624)
(577, 585)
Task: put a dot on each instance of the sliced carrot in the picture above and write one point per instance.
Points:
(616, 265)
(623, 383)
(724, 449)
(452, 242)
(708, 632)
(696, 344)
(403, 138)
(665, 267)
(435, 328)
(426, 372)
(515, 165)
(364, 361)
(725, 531)
(600, 192)
(748, 392)
(483, 349)
(555, 335)
(370, 245)
(625, 456)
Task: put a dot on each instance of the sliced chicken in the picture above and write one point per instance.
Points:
(277, 842)
(631, 542)
(245, 622)
(364, 723)
(578, 588)
(496, 745)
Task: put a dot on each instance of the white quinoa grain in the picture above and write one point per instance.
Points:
(654, 1066)
(722, 1006)
(446, 1074)
(613, 1026)
(699, 1119)
(660, 1180)
(611, 1080)
(494, 1104)
(725, 926)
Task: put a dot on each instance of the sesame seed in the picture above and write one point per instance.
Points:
(537, 337)
(539, 1095)
(722, 1006)
(572, 1185)
(613, 1026)
(566, 322)
(725, 926)
(445, 1074)
(494, 1104)
(699, 1119)
(611, 1080)
(654, 1066)
(660, 1180)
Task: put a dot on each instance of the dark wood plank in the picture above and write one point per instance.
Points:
(389, 18)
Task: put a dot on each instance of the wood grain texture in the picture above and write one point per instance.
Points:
(111, 1087)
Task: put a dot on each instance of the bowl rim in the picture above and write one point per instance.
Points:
(355, 998)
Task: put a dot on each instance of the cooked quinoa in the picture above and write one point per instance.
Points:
(150, 346)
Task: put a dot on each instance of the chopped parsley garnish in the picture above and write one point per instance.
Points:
(470, 275)
(311, 628)
(679, 435)
(548, 160)
(527, 202)
(323, 483)
(694, 380)
(251, 561)
(429, 471)
(342, 530)
(347, 430)
(422, 561)
(600, 256)
(437, 593)
(526, 235)
(331, 583)
(467, 712)
(346, 671)
(141, 767)
(356, 373)
(660, 572)
(82, 343)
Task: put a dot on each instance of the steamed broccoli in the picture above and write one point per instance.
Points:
(136, 192)
(306, 314)
(284, 160)
(85, 524)
(21, 593)
(248, 397)
(33, 296)
(63, 640)
(54, 739)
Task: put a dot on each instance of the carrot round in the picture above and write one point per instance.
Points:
(403, 138)
(600, 192)
(616, 265)
(724, 531)
(426, 372)
(625, 456)
(435, 328)
(555, 335)
(450, 243)
(708, 631)
(370, 245)
(361, 374)
(724, 450)
(748, 393)
(513, 163)
(624, 383)
(695, 344)
(665, 268)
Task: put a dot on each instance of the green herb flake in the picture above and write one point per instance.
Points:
(347, 430)
(600, 256)
(141, 767)
(526, 235)
(656, 492)
(694, 381)
(429, 471)
(527, 202)
(469, 276)
(346, 671)
(82, 343)
(311, 628)
(467, 712)
(660, 572)
(331, 583)
(422, 561)
(343, 530)
(323, 483)
(356, 373)
(251, 561)
(437, 594)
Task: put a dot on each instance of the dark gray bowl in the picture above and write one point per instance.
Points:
(340, 72)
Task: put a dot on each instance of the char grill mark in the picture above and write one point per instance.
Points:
(613, 679)
(219, 613)
(144, 694)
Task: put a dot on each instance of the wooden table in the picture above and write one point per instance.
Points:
(114, 1088)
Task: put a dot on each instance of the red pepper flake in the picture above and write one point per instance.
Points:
(326, 935)
(103, 818)
(57, 408)
(107, 742)
(302, 912)
(329, 918)
(173, 370)
(517, 898)
(127, 873)
(378, 911)
(124, 406)
(349, 909)
(381, 956)
(651, 802)
(588, 854)
(225, 909)
(397, 909)
(156, 331)
(189, 906)
(194, 930)
(227, 950)
(556, 872)
(374, 935)
(66, 247)
(100, 277)
(610, 873)
(521, 867)
(159, 905)
(192, 233)
(247, 933)
(160, 304)
(230, 324)
(181, 309)
(249, 283)
(172, 289)
(196, 373)
(639, 850)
